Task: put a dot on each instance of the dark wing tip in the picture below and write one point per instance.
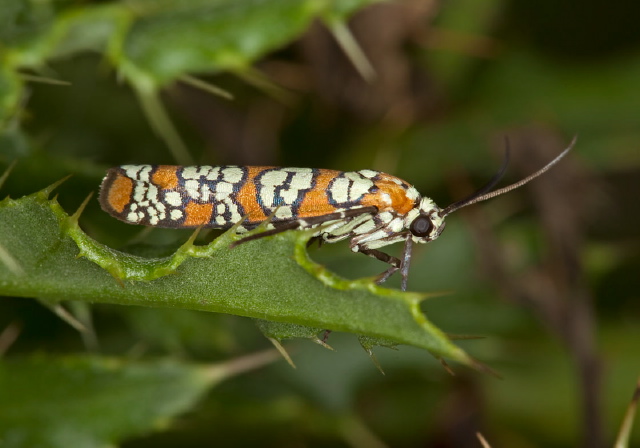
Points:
(116, 192)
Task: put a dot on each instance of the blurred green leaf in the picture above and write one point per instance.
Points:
(152, 43)
(221, 35)
(91, 401)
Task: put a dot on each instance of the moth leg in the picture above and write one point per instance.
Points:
(385, 275)
(406, 262)
(325, 336)
(397, 264)
(386, 258)
(313, 240)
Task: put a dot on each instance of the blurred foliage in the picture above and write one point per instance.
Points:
(548, 273)
(80, 401)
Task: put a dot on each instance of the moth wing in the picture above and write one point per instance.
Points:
(152, 196)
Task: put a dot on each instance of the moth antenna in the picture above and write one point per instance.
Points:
(488, 186)
(483, 194)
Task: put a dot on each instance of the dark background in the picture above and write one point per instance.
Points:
(548, 274)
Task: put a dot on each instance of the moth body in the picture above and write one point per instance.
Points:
(370, 208)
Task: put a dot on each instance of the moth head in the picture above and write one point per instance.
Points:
(427, 224)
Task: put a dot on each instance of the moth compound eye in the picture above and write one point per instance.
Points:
(421, 226)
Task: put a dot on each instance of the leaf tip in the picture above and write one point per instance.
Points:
(374, 359)
(276, 343)
(116, 272)
(69, 318)
(48, 190)
(423, 296)
(76, 216)
(446, 366)
(240, 365)
(482, 367)
(323, 343)
(188, 245)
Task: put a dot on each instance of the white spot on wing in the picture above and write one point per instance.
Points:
(302, 180)
(190, 172)
(205, 192)
(213, 173)
(284, 212)
(173, 198)
(233, 175)
(299, 181)
(132, 170)
(176, 214)
(269, 181)
(224, 188)
(144, 173)
(385, 217)
(235, 212)
(298, 170)
(139, 192)
(340, 190)
(359, 186)
(152, 192)
(275, 177)
(396, 225)
(192, 187)
(369, 174)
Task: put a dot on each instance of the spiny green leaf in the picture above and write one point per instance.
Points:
(270, 279)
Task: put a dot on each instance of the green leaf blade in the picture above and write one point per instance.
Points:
(269, 279)
(90, 401)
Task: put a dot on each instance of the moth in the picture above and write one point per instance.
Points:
(369, 208)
